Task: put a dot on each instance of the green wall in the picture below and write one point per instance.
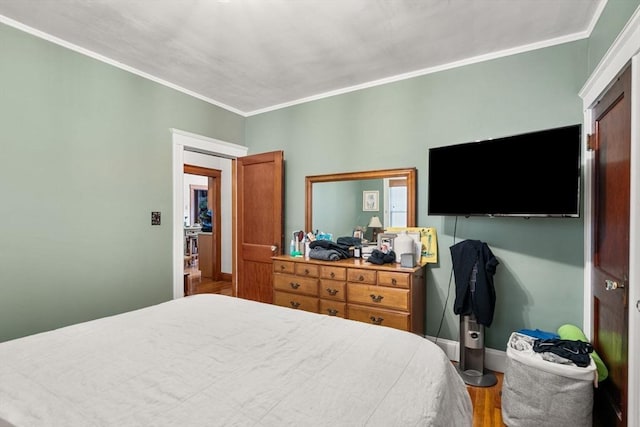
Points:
(394, 125)
(85, 157)
(612, 20)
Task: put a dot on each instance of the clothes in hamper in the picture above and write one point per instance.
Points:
(576, 351)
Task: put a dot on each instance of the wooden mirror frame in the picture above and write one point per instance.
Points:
(411, 175)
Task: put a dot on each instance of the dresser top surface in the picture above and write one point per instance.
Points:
(350, 262)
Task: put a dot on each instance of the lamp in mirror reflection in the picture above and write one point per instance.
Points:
(375, 225)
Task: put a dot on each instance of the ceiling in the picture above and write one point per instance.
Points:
(251, 56)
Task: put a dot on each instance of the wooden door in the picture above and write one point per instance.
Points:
(610, 233)
(260, 198)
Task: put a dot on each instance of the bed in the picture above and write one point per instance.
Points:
(214, 360)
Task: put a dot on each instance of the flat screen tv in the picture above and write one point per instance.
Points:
(534, 174)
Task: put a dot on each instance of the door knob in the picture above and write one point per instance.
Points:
(611, 285)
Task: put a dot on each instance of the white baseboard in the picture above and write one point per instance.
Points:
(494, 360)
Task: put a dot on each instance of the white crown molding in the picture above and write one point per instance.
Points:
(431, 70)
(405, 76)
(468, 61)
(596, 16)
(53, 39)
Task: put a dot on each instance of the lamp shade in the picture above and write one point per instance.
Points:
(375, 222)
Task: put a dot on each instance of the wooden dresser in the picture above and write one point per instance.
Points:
(387, 294)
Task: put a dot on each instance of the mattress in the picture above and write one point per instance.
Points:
(209, 360)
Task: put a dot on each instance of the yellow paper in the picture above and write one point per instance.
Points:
(428, 238)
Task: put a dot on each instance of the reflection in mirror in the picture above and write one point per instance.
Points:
(340, 203)
(396, 202)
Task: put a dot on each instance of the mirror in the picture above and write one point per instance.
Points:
(338, 203)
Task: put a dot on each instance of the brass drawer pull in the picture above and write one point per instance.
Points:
(361, 278)
(332, 275)
(306, 271)
(376, 298)
(282, 267)
(332, 292)
(332, 311)
(376, 320)
(294, 304)
(394, 282)
(294, 285)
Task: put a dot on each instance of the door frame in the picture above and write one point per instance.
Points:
(181, 141)
(625, 49)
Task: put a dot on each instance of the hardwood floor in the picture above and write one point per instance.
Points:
(201, 285)
(486, 400)
(213, 287)
(487, 409)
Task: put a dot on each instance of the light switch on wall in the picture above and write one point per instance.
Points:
(155, 218)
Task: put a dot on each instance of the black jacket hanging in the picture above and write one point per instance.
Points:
(474, 266)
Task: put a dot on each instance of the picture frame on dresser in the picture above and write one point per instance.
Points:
(386, 241)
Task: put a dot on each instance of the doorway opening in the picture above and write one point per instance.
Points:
(193, 149)
(202, 232)
(395, 201)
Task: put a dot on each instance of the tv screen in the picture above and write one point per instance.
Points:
(532, 174)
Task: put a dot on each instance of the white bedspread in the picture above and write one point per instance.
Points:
(212, 360)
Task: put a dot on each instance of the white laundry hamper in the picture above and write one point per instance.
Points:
(536, 392)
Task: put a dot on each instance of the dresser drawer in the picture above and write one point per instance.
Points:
(397, 280)
(388, 295)
(296, 284)
(358, 275)
(301, 302)
(379, 317)
(332, 289)
(307, 270)
(333, 273)
(397, 299)
(283, 267)
(333, 308)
